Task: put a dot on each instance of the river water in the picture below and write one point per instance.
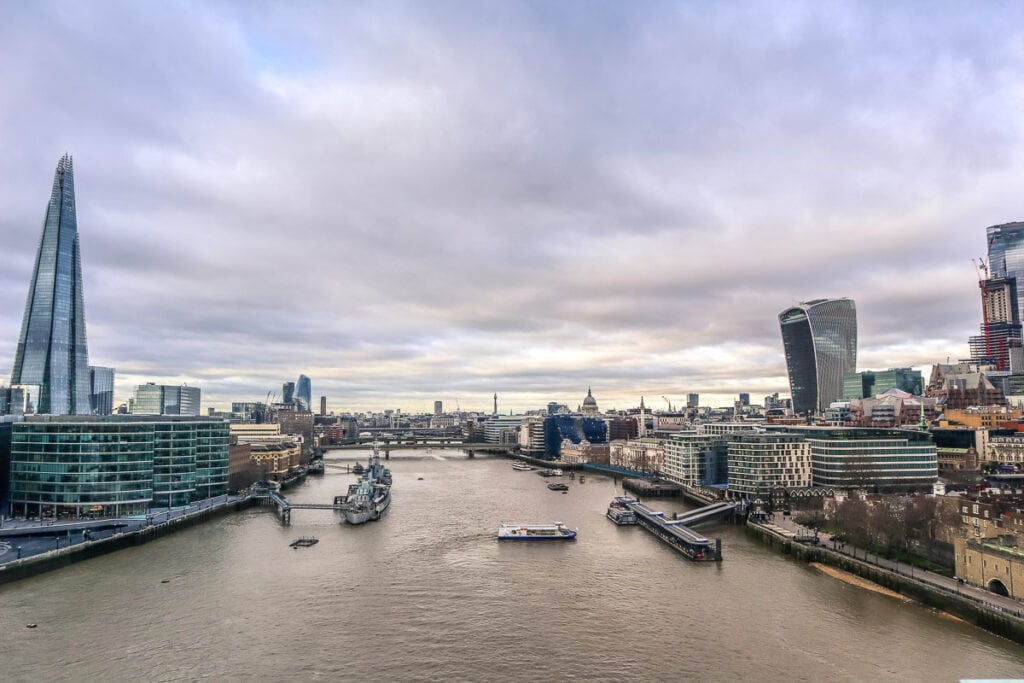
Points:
(428, 594)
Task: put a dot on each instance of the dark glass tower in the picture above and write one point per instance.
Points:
(1006, 257)
(52, 359)
(304, 392)
(820, 340)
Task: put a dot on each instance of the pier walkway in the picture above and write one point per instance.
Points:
(687, 541)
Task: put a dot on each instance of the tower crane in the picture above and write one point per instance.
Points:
(982, 269)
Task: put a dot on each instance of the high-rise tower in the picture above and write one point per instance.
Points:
(304, 392)
(52, 358)
(820, 340)
(1006, 256)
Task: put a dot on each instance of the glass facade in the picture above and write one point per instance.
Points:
(115, 465)
(52, 352)
(894, 460)
(1006, 256)
(760, 462)
(820, 342)
(74, 468)
(871, 383)
(102, 380)
(161, 399)
(304, 392)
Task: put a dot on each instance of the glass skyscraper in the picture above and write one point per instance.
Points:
(1006, 256)
(52, 360)
(820, 341)
(304, 392)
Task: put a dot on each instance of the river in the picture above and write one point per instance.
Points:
(428, 594)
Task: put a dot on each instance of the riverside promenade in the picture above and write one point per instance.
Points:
(32, 546)
(996, 613)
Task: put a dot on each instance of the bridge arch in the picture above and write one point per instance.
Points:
(998, 587)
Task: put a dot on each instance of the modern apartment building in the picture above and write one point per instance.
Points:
(760, 462)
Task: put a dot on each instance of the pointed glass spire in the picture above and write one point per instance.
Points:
(52, 359)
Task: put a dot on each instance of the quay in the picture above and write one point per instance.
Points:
(652, 488)
(677, 534)
(996, 614)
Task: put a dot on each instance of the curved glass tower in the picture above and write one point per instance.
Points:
(820, 340)
(304, 392)
(52, 359)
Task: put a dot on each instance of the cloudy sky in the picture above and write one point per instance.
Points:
(411, 201)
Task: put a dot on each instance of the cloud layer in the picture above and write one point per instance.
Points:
(420, 201)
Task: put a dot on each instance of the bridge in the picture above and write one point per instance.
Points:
(283, 508)
(677, 534)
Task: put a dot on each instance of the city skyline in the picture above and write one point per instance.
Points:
(411, 203)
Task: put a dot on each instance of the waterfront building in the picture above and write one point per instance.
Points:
(102, 382)
(639, 455)
(575, 428)
(699, 457)
(820, 342)
(276, 460)
(256, 433)
(304, 393)
(885, 460)
(1006, 256)
(589, 405)
(531, 436)
(502, 429)
(114, 465)
(583, 452)
(164, 399)
(760, 462)
(52, 359)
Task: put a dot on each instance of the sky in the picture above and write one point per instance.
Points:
(420, 201)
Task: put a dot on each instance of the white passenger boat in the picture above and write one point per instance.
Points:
(536, 532)
(521, 467)
(620, 512)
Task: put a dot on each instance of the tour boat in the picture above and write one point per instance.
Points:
(535, 532)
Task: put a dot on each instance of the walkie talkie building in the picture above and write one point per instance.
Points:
(52, 361)
(820, 341)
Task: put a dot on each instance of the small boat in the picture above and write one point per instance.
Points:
(521, 467)
(620, 512)
(550, 473)
(558, 487)
(304, 541)
(535, 532)
(358, 468)
(31, 625)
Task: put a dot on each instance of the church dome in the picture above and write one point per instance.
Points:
(589, 403)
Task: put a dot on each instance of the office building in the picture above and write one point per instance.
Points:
(820, 342)
(574, 428)
(287, 392)
(1006, 256)
(162, 399)
(881, 460)
(52, 360)
(872, 383)
(760, 462)
(304, 393)
(438, 408)
(102, 382)
(323, 405)
(111, 466)
(692, 400)
(699, 457)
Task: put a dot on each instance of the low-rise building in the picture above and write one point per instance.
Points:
(639, 455)
(996, 564)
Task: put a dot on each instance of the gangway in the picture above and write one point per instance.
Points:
(687, 541)
(705, 514)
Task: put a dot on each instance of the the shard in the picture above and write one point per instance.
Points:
(52, 360)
